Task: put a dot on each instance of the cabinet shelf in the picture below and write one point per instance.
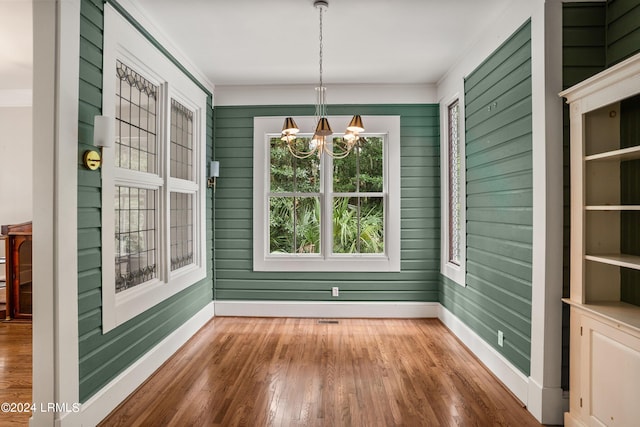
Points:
(620, 260)
(615, 311)
(631, 153)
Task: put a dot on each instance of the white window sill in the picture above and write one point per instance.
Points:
(347, 263)
(454, 272)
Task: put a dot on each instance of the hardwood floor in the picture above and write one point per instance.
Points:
(15, 370)
(299, 372)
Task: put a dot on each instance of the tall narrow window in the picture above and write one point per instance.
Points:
(453, 191)
(454, 184)
(135, 203)
(181, 185)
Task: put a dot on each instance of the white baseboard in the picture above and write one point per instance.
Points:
(511, 377)
(546, 404)
(572, 421)
(100, 405)
(342, 309)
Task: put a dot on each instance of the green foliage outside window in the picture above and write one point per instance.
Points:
(358, 219)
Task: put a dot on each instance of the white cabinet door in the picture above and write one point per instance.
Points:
(610, 375)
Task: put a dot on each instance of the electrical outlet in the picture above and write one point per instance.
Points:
(335, 291)
(500, 338)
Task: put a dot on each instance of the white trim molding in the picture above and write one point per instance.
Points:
(330, 309)
(137, 13)
(110, 396)
(336, 94)
(545, 391)
(56, 38)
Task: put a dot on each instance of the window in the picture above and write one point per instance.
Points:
(453, 230)
(135, 203)
(183, 186)
(325, 214)
(453, 176)
(153, 238)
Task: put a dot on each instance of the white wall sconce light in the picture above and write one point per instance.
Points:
(214, 172)
(103, 137)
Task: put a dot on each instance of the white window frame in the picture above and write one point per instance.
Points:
(123, 42)
(268, 127)
(455, 272)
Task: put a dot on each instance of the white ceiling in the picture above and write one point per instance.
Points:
(259, 42)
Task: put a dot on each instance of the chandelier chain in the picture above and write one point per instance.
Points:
(320, 46)
(322, 142)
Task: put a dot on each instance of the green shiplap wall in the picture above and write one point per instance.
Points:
(623, 30)
(499, 189)
(583, 55)
(420, 213)
(103, 357)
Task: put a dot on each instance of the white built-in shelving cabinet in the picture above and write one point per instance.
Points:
(605, 332)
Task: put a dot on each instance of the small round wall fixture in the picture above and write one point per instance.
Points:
(91, 159)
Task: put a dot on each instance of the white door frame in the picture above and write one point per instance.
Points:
(56, 37)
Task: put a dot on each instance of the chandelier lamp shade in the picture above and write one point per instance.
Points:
(321, 142)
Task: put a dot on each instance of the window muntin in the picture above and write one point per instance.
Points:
(181, 229)
(298, 190)
(181, 152)
(135, 234)
(136, 115)
(453, 142)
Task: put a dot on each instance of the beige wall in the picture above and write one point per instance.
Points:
(16, 171)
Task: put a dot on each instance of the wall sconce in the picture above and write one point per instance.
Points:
(214, 172)
(103, 136)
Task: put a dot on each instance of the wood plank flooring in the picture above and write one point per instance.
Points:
(15, 370)
(299, 372)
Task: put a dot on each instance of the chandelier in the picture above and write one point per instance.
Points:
(322, 142)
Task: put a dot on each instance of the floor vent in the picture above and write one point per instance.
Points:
(333, 322)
